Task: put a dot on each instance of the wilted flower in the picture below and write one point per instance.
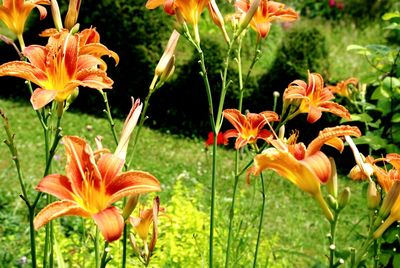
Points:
(142, 224)
(91, 185)
(313, 98)
(266, 13)
(66, 62)
(249, 127)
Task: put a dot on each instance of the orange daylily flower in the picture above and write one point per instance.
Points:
(249, 127)
(385, 177)
(222, 139)
(306, 167)
(90, 187)
(343, 88)
(267, 12)
(66, 62)
(14, 13)
(189, 9)
(313, 98)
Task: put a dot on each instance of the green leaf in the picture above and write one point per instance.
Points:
(393, 26)
(396, 118)
(379, 49)
(374, 141)
(396, 260)
(391, 15)
(380, 92)
(358, 49)
(390, 82)
(361, 117)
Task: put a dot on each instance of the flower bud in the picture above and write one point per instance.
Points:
(344, 198)
(55, 12)
(389, 200)
(217, 18)
(332, 202)
(245, 20)
(166, 65)
(373, 196)
(332, 184)
(130, 206)
(72, 15)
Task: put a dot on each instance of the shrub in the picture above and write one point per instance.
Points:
(302, 49)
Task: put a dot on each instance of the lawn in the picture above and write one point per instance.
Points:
(293, 233)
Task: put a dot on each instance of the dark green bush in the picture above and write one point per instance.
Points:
(183, 102)
(302, 49)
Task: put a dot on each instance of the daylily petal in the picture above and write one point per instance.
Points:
(132, 182)
(89, 61)
(235, 117)
(99, 50)
(93, 78)
(110, 223)
(41, 97)
(58, 209)
(287, 166)
(23, 70)
(327, 134)
(336, 109)
(57, 185)
(320, 165)
(36, 56)
(231, 133)
(109, 166)
(152, 4)
(313, 114)
(80, 160)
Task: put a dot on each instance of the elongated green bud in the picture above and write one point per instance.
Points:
(344, 197)
(332, 184)
(55, 12)
(373, 196)
(245, 20)
(72, 15)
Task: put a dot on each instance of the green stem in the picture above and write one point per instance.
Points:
(332, 245)
(124, 245)
(32, 234)
(141, 122)
(224, 89)
(109, 116)
(232, 209)
(261, 220)
(97, 247)
(104, 259)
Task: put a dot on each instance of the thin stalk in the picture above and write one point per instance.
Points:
(232, 209)
(104, 258)
(109, 117)
(332, 245)
(124, 245)
(261, 220)
(97, 247)
(32, 235)
(224, 88)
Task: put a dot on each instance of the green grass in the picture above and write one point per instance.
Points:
(294, 227)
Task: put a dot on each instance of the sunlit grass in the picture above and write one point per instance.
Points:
(294, 230)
